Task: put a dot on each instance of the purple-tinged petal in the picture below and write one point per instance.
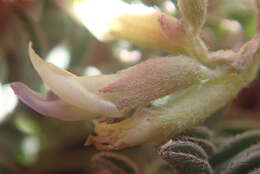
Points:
(49, 104)
(69, 89)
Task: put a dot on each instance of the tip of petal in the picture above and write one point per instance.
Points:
(18, 88)
(26, 95)
(49, 104)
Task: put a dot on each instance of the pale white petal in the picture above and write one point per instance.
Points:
(68, 87)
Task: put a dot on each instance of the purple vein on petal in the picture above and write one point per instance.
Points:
(49, 104)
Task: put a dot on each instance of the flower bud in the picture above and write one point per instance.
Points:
(194, 13)
(142, 25)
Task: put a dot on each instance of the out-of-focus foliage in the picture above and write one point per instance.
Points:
(37, 145)
(193, 152)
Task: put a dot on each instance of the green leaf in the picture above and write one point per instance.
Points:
(244, 162)
(234, 146)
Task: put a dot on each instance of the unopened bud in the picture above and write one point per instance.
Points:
(194, 13)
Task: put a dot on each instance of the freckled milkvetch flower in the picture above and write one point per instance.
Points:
(74, 97)
(157, 98)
